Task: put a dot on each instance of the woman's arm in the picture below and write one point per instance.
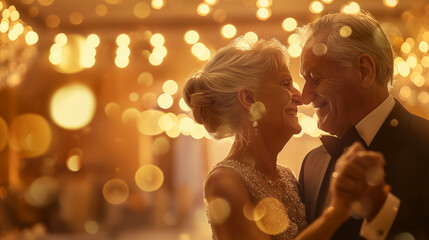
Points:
(226, 196)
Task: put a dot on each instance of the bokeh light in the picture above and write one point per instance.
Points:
(3, 133)
(228, 31)
(116, 191)
(165, 101)
(142, 10)
(30, 135)
(218, 210)
(72, 106)
(191, 37)
(316, 7)
(275, 219)
(289, 24)
(203, 9)
(160, 146)
(148, 122)
(149, 178)
(42, 191)
(263, 13)
(390, 3)
(170, 87)
(92, 227)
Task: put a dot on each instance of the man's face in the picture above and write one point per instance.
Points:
(333, 89)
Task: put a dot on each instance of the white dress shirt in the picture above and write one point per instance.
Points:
(367, 128)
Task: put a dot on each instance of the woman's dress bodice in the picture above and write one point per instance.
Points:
(281, 198)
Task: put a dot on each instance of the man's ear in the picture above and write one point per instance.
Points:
(367, 70)
(246, 98)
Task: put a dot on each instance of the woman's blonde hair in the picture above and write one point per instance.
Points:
(211, 93)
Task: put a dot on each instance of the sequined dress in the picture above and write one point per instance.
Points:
(286, 191)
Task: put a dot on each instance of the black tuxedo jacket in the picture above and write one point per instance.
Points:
(404, 141)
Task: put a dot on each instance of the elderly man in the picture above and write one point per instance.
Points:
(347, 64)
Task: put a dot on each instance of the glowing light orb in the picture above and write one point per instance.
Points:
(52, 21)
(374, 176)
(76, 18)
(74, 163)
(31, 38)
(170, 87)
(3, 133)
(320, 49)
(157, 39)
(294, 50)
(257, 110)
(203, 9)
(352, 7)
(92, 227)
(145, 79)
(69, 50)
(72, 106)
(423, 46)
(160, 146)
(101, 10)
(149, 178)
(186, 124)
(148, 122)
(423, 97)
(264, 3)
(130, 117)
(405, 92)
(263, 13)
(173, 131)
(316, 7)
(228, 31)
(289, 24)
(294, 39)
(403, 69)
(42, 191)
(218, 210)
(112, 110)
(116, 191)
(252, 213)
(390, 3)
(191, 37)
(149, 100)
(123, 40)
(155, 59)
(157, 4)
(198, 131)
(183, 105)
(30, 135)
(251, 36)
(275, 220)
(345, 31)
(165, 101)
(142, 10)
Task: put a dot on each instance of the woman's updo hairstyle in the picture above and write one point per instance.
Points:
(211, 93)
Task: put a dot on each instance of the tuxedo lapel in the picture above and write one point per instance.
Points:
(316, 167)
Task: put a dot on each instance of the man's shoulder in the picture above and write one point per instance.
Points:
(316, 153)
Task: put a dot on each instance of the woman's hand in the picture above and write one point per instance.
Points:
(357, 184)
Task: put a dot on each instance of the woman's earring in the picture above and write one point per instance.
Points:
(255, 125)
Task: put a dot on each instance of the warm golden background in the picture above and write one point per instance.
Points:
(95, 140)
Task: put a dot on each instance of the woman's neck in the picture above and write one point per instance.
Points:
(257, 152)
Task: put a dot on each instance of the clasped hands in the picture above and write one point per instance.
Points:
(357, 184)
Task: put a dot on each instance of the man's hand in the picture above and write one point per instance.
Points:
(358, 182)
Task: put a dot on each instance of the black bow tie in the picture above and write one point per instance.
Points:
(336, 145)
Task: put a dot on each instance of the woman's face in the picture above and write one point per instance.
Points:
(280, 99)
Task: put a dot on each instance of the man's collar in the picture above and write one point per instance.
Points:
(369, 125)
